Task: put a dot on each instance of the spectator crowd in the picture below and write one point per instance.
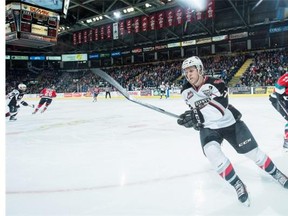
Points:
(264, 71)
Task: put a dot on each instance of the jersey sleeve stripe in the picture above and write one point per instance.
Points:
(218, 106)
(279, 89)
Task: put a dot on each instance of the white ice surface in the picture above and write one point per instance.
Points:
(115, 157)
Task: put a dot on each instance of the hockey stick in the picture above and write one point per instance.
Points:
(123, 91)
(31, 105)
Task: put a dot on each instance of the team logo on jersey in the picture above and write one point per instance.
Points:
(189, 95)
(202, 103)
(207, 92)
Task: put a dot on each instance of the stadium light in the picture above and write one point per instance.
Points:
(198, 5)
(147, 5)
(117, 14)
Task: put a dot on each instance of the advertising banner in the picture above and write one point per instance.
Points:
(41, 58)
(147, 49)
(137, 50)
(188, 43)
(270, 89)
(240, 90)
(177, 44)
(161, 47)
(238, 35)
(146, 92)
(19, 57)
(260, 90)
(74, 57)
(94, 56)
(53, 58)
(219, 38)
(203, 40)
(114, 54)
(125, 52)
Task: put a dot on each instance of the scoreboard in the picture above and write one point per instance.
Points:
(31, 26)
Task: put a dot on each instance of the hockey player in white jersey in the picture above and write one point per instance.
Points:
(14, 99)
(162, 89)
(216, 120)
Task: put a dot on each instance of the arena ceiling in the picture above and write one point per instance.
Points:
(230, 16)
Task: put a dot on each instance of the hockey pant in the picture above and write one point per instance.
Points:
(241, 139)
(13, 110)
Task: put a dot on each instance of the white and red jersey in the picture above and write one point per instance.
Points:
(48, 93)
(211, 99)
(281, 86)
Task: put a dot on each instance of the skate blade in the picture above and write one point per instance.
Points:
(247, 203)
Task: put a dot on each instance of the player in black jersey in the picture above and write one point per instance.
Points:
(211, 114)
(14, 99)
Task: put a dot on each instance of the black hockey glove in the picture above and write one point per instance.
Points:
(26, 104)
(191, 118)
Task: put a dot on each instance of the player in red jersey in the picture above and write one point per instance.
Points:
(279, 100)
(94, 92)
(46, 96)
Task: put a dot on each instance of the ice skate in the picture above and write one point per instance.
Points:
(35, 111)
(281, 178)
(12, 118)
(242, 193)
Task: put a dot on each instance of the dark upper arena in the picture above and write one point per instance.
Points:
(225, 35)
